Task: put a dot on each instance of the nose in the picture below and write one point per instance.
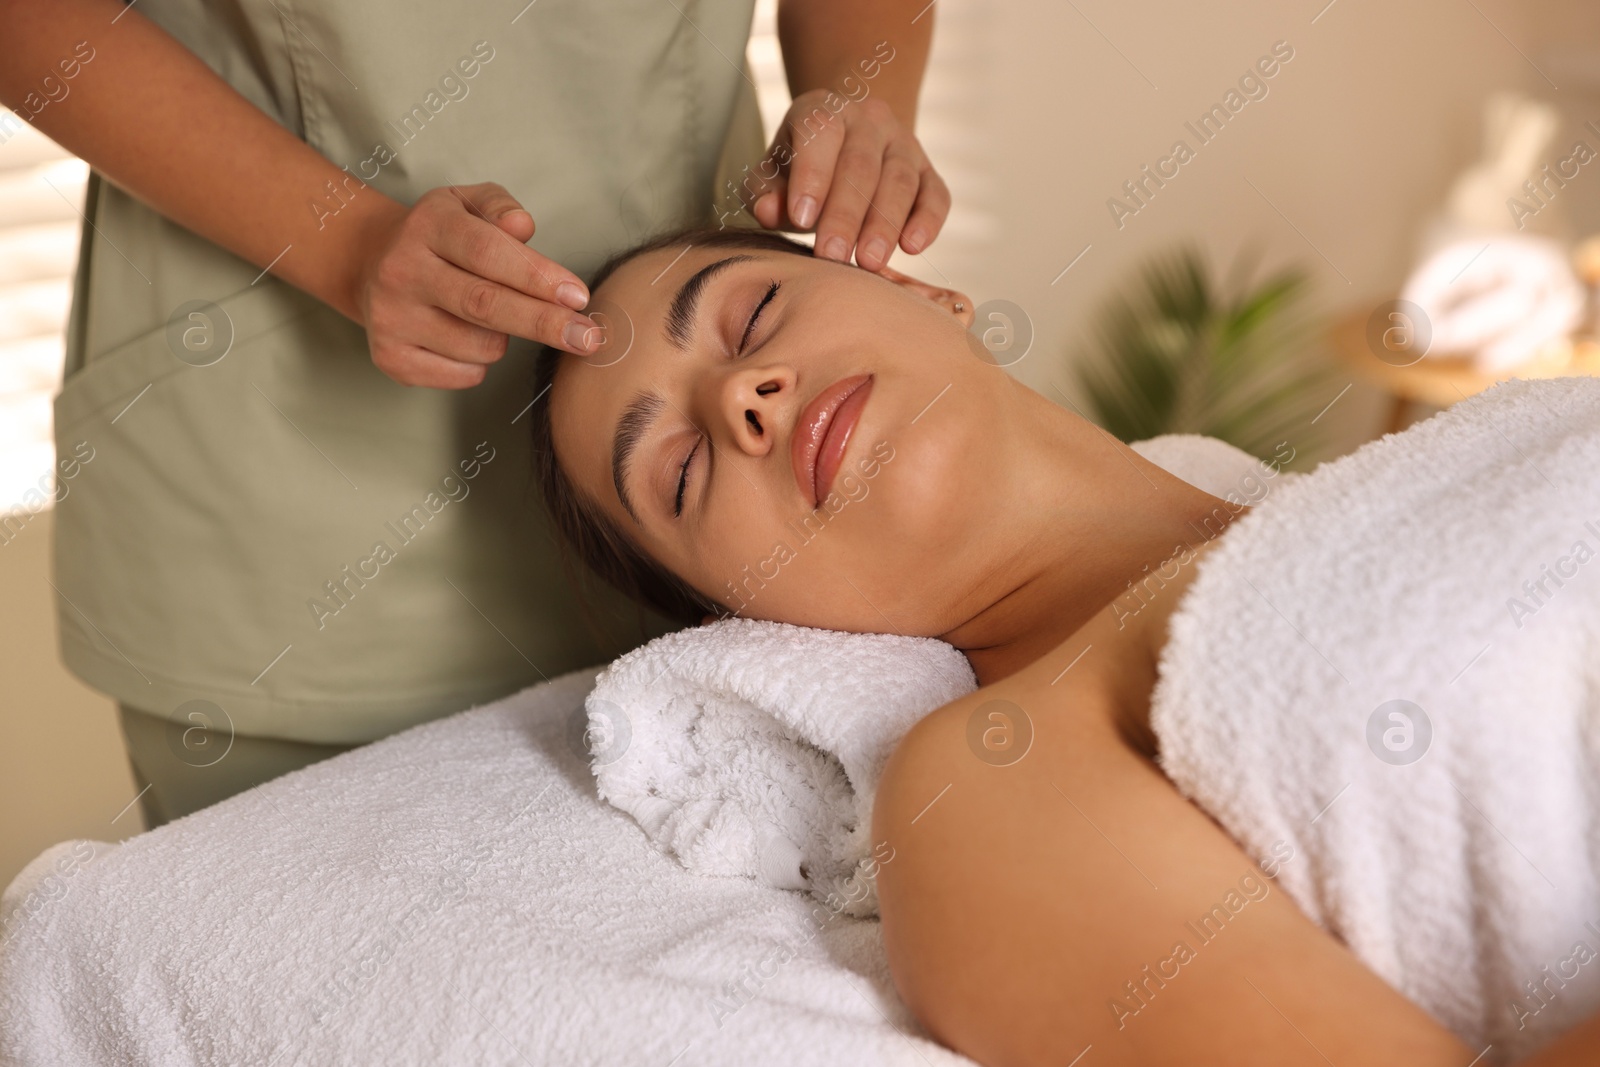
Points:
(751, 403)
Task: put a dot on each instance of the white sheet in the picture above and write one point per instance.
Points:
(454, 894)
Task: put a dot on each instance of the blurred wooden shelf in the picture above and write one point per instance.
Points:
(1441, 380)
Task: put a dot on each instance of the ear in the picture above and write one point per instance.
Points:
(945, 298)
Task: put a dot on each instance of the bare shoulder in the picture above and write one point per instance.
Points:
(1050, 891)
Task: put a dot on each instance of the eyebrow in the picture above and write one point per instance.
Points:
(636, 419)
(680, 315)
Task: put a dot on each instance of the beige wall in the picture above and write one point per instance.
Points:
(62, 771)
(1356, 141)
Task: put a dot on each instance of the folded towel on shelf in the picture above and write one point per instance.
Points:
(1410, 736)
(1502, 299)
(754, 748)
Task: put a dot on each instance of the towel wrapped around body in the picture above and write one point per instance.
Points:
(1386, 683)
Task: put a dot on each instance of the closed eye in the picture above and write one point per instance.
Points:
(772, 291)
(683, 478)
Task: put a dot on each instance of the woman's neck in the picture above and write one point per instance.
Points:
(1105, 520)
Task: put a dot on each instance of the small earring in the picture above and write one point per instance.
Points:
(960, 307)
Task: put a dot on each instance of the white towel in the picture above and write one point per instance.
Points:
(1468, 877)
(754, 748)
(1503, 299)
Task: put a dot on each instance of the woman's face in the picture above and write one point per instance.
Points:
(798, 439)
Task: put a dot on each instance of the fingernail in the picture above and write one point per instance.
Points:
(577, 334)
(805, 212)
(913, 241)
(877, 251)
(572, 295)
(835, 248)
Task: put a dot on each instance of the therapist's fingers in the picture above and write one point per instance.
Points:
(445, 255)
(928, 215)
(850, 170)
(491, 253)
(491, 202)
(497, 307)
(768, 207)
(813, 138)
(763, 187)
(849, 198)
(766, 192)
(438, 331)
(411, 365)
(411, 341)
(891, 204)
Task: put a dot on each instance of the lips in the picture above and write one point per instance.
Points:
(823, 432)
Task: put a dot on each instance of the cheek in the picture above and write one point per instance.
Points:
(888, 560)
(741, 550)
(917, 522)
(764, 562)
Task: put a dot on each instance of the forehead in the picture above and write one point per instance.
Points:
(645, 285)
(633, 306)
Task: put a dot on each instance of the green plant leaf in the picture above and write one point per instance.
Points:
(1180, 354)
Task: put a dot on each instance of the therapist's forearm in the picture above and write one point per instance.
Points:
(152, 118)
(825, 41)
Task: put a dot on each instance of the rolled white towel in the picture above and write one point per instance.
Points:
(1501, 298)
(754, 748)
(749, 747)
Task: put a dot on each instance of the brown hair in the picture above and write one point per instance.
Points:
(603, 545)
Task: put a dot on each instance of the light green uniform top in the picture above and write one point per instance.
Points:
(283, 531)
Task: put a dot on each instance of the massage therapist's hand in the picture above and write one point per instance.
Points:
(859, 176)
(444, 284)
